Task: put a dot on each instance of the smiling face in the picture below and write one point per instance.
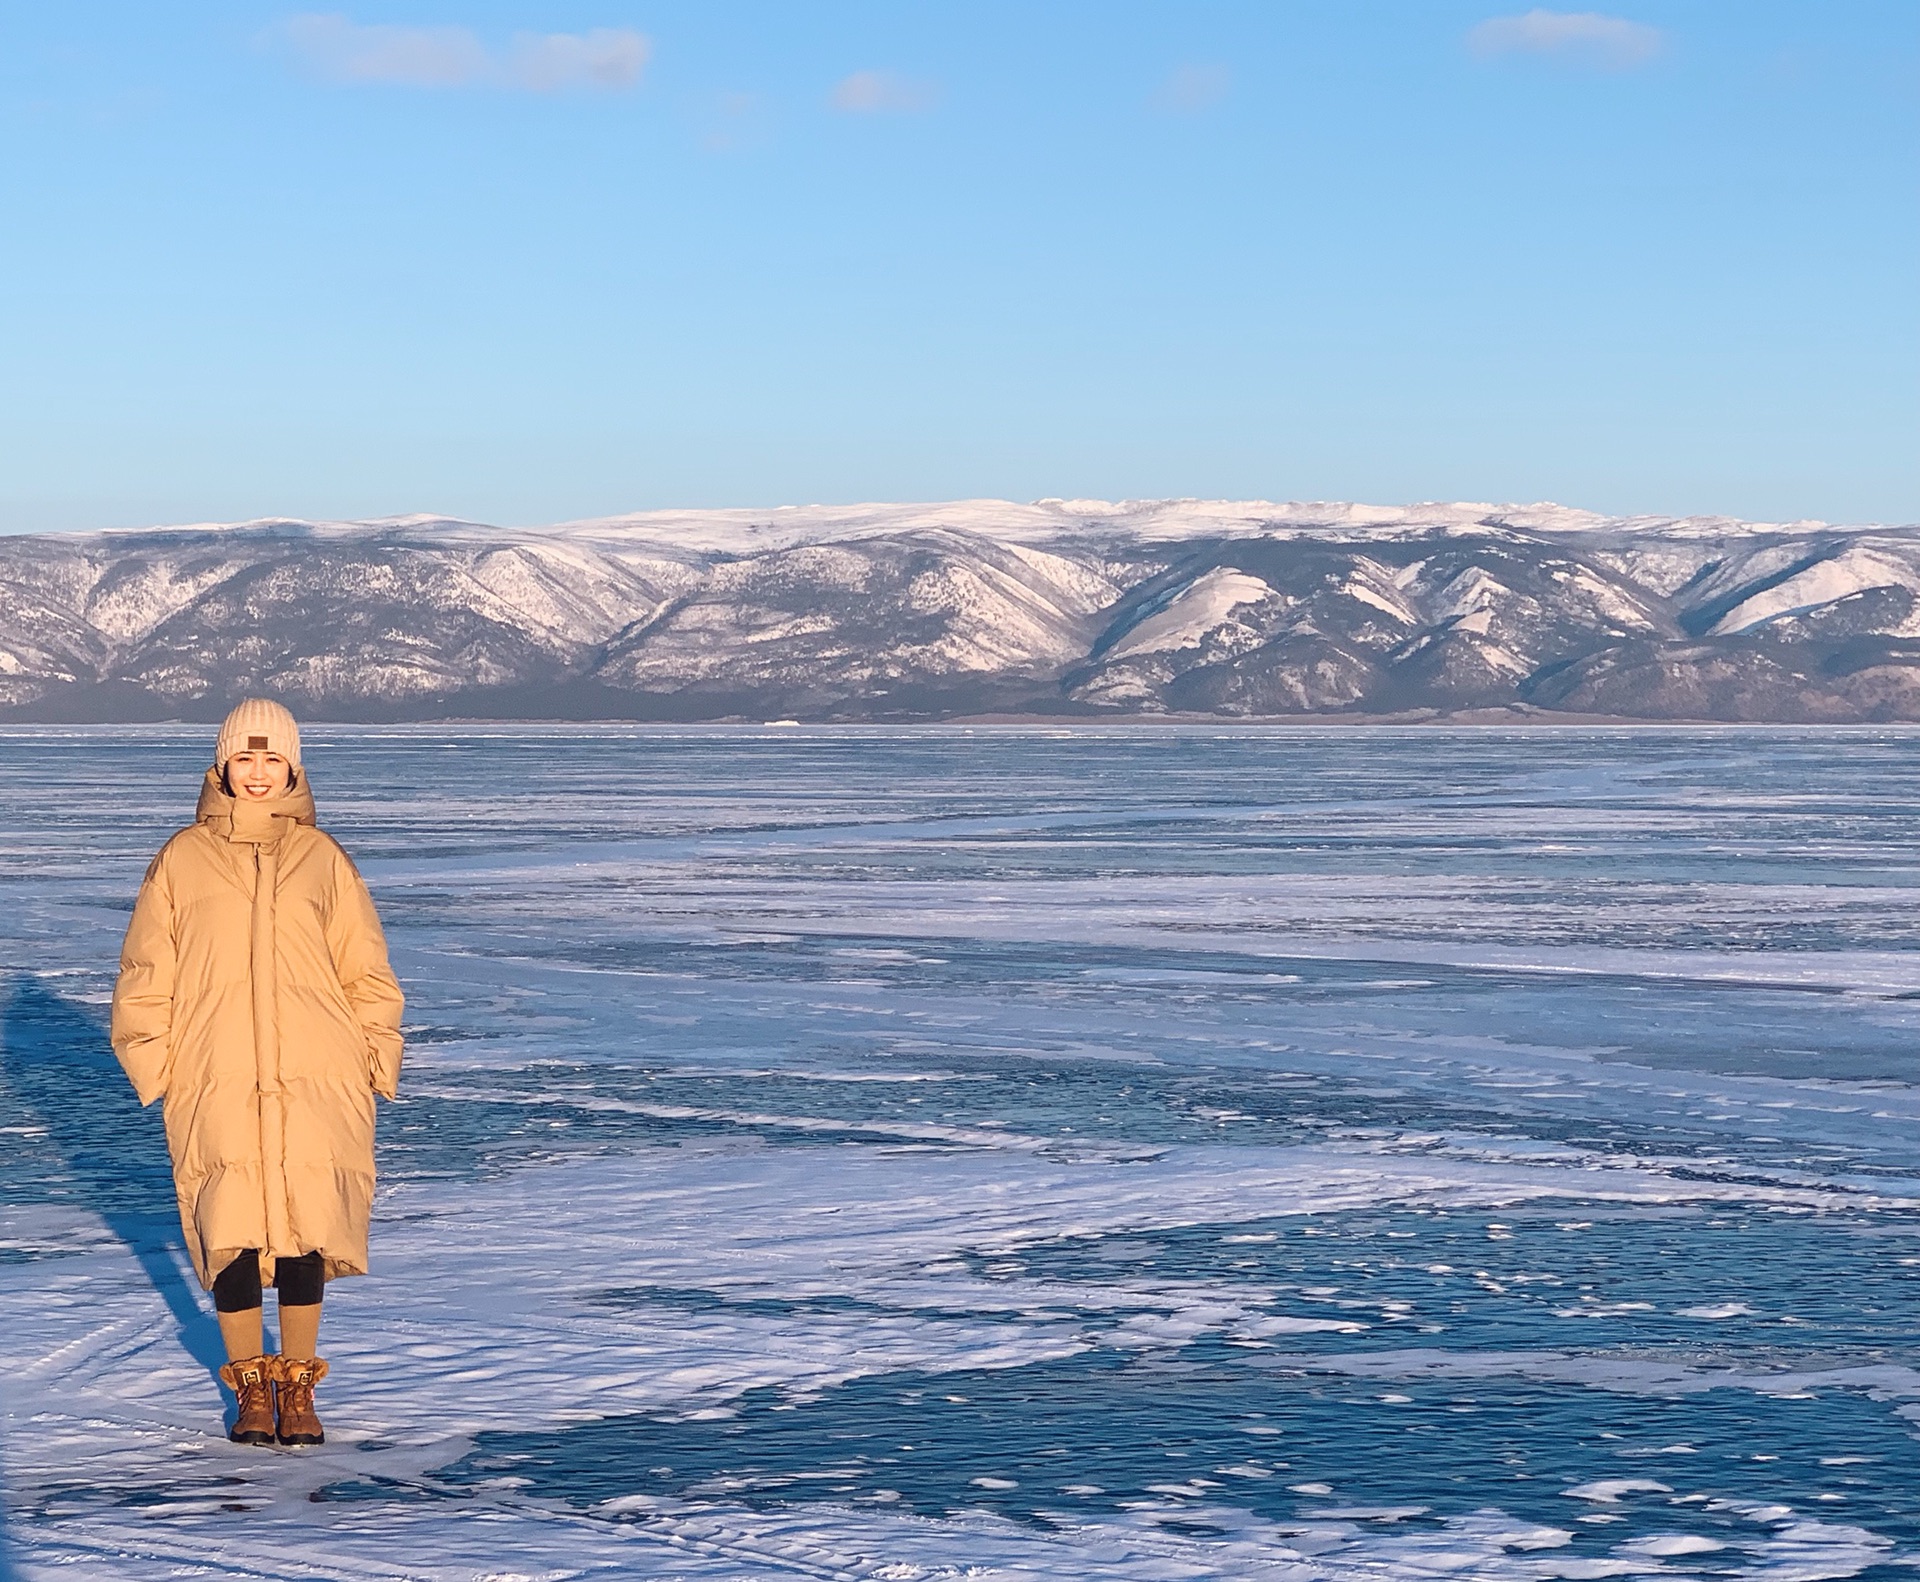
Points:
(256, 776)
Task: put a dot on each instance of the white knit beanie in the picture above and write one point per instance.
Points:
(258, 725)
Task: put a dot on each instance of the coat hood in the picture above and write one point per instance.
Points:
(233, 819)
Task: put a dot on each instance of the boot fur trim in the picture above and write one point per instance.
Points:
(252, 1379)
(298, 1423)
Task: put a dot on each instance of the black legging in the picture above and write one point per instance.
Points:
(300, 1281)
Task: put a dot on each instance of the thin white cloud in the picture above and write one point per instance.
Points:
(338, 49)
(610, 58)
(734, 122)
(883, 93)
(1584, 36)
(1191, 89)
(341, 50)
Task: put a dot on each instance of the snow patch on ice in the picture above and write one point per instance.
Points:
(1609, 1491)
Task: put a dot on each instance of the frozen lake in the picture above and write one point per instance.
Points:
(1133, 1153)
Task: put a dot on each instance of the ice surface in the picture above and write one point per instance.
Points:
(1097, 1153)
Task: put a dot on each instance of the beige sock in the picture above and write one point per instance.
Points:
(242, 1334)
(299, 1331)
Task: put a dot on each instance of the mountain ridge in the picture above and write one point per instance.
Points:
(1050, 609)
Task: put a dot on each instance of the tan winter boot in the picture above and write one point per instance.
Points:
(251, 1379)
(296, 1377)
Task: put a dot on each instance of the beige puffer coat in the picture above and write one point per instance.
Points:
(256, 1000)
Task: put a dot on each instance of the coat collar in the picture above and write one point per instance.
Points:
(253, 822)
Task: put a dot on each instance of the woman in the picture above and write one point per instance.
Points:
(256, 1001)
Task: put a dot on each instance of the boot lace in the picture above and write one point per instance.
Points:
(296, 1393)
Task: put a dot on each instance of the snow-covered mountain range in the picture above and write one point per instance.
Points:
(1058, 608)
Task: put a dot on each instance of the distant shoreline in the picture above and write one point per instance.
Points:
(1475, 719)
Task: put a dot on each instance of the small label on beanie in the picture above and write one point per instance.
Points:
(256, 744)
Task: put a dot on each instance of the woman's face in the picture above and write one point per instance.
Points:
(257, 776)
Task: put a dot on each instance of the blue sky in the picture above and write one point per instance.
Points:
(525, 262)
